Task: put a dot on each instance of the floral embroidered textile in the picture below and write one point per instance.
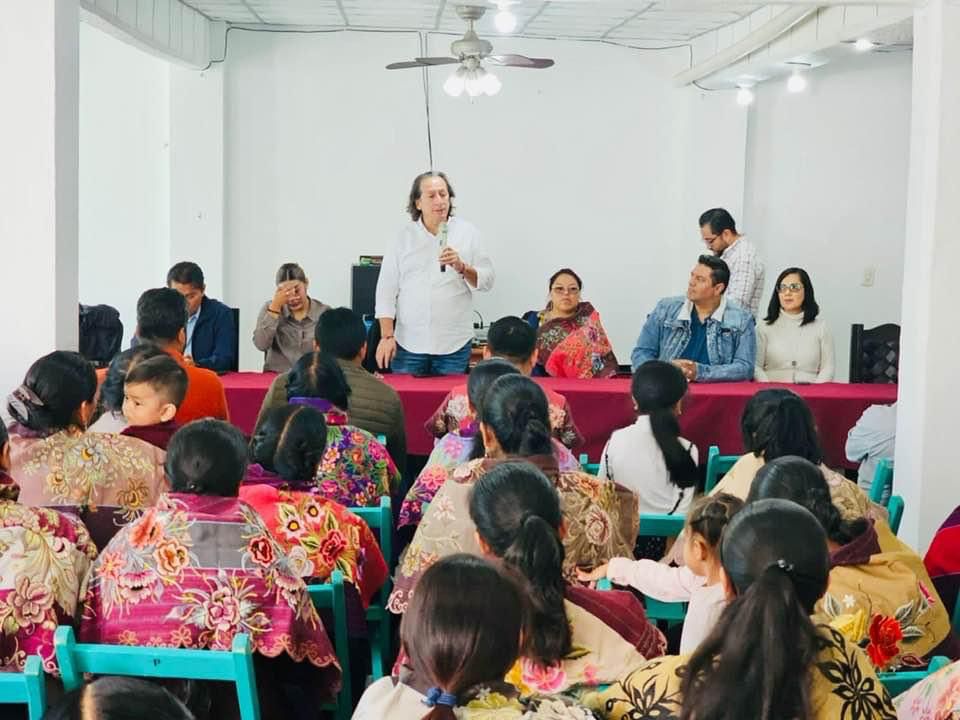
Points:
(576, 347)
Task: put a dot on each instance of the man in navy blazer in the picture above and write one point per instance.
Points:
(210, 331)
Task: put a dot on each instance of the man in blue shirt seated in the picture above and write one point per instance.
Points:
(210, 331)
(710, 338)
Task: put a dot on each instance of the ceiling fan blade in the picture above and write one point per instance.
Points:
(438, 60)
(405, 64)
(520, 61)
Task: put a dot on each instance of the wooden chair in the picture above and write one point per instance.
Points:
(874, 354)
(669, 526)
(25, 688)
(236, 340)
(882, 482)
(899, 682)
(895, 508)
(331, 596)
(380, 520)
(717, 466)
(234, 665)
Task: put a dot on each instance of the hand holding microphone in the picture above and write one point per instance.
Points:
(448, 256)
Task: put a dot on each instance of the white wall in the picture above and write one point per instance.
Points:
(579, 165)
(826, 187)
(124, 173)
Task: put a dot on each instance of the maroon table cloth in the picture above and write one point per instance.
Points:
(711, 412)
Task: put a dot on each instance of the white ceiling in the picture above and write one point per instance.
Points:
(629, 21)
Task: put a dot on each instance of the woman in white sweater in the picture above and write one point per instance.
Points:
(793, 344)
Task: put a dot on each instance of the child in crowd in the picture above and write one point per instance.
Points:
(152, 391)
(699, 582)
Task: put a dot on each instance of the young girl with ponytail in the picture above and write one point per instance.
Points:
(699, 582)
(575, 636)
(461, 635)
(880, 594)
(765, 659)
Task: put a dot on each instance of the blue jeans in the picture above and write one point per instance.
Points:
(421, 364)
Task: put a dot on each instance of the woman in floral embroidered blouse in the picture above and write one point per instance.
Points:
(765, 659)
(454, 449)
(318, 534)
(461, 636)
(880, 596)
(576, 636)
(356, 470)
(201, 567)
(43, 559)
(106, 479)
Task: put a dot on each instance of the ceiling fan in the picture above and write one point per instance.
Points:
(469, 52)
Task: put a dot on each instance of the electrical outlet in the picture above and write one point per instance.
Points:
(869, 276)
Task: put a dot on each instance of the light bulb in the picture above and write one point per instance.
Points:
(491, 84)
(474, 82)
(744, 96)
(454, 84)
(863, 44)
(797, 83)
(505, 21)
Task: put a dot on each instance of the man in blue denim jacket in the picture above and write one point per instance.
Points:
(710, 338)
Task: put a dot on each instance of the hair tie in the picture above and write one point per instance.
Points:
(19, 399)
(436, 696)
(783, 565)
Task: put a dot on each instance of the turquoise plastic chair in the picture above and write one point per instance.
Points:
(589, 467)
(382, 439)
(380, 520)
(882, 482)
(234, 665)
(331, 596)
(895, 508)
(26, 688)
(652, 525)
(899, 682)
(717, 466)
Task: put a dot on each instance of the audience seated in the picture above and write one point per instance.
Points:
(202, 566)
(794, 344)
(463, 632)
(109, 414)
(210, 330)
(317, 534)
(710, 338)
(879, 594)
(119, 698)
(575, 636)
(286, 323)
(44, 556)
(153, 389)
(698, 582)
(601, 518)
(106, 479)
(571, 341)
(871, 439)
(649, 457)
(355, 470)
(765, 659)
(372, 405)
(454, 449)
(943, 560)
(162, 320)
(513, 340)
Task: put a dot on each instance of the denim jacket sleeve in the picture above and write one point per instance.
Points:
(648, 344)
(741, 365)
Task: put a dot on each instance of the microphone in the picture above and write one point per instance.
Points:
(443, 242)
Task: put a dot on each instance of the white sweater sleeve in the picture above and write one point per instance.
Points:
(659, 581)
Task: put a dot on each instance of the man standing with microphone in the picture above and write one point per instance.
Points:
(426, 285)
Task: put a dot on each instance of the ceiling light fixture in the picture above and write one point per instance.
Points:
(745, 96)
(797, 82)
(475, 81)
(505, 21)
(864, 44)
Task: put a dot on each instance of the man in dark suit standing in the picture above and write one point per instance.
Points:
(210, 330)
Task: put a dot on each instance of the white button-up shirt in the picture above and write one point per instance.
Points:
(746, 274)
(432, 310)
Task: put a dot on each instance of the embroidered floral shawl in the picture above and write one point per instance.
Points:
(44, 555)
(106, 479)
(320, 536)
(601, 520)
(194, 571)
(575, 347)
(937, 697)
(455, 416)
(451, 451)
(843, 686)
(881, 598)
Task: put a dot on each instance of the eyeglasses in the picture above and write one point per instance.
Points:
(565, 290)
(789, 287)
(709, 241)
